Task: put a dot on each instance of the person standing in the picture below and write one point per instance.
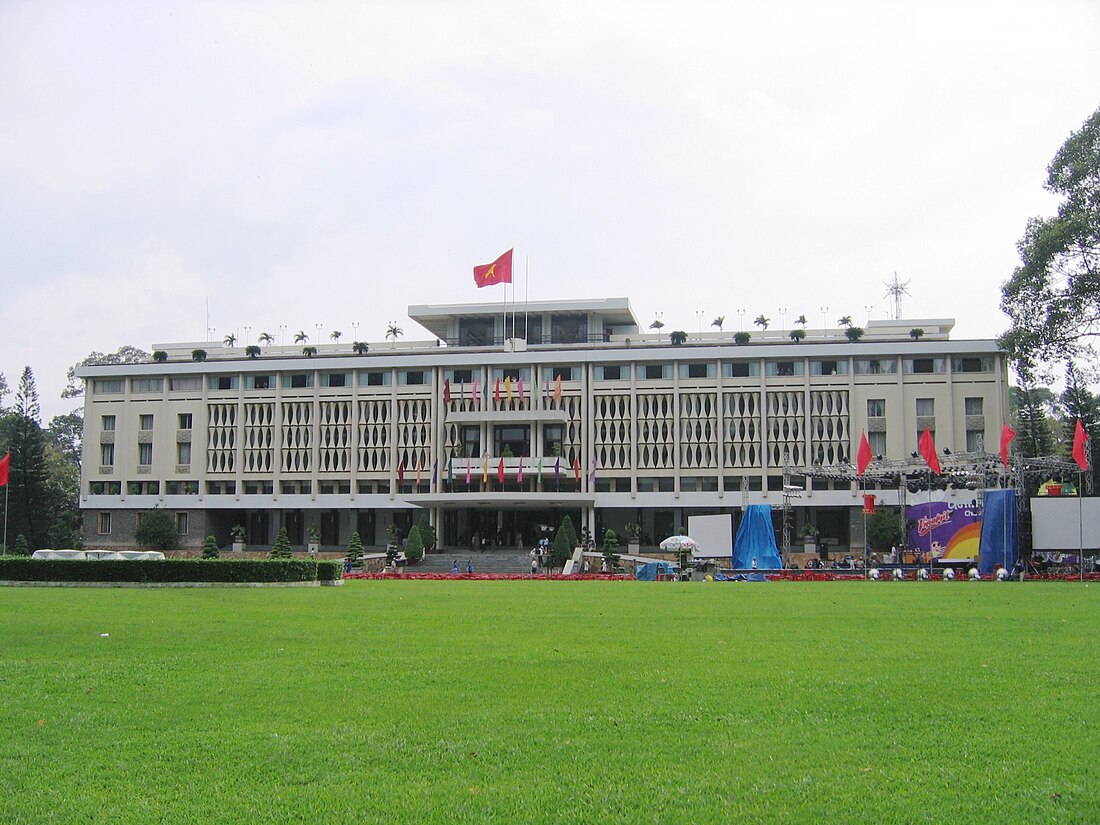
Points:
(469, 566)
(454, 569)
(534, 565)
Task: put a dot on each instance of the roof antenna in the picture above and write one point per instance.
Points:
(895, 289)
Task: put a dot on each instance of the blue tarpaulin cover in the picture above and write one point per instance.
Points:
(998, 543)
(756, 539)
(648, 572)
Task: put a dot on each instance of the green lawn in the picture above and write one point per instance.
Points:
(538, 701)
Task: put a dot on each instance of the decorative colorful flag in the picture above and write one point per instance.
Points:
(5, 462)
(539, 479)
(927, 447)
(577, 469)
(508, 386)
(557, 468)
(1080, 444)
(592, 472)
(863, 457)
(496, 392)
(1007, 434)
(500, 470)
(435, 469)
(473, 391)
(557, 388)
(498, 272)
(519, 473)
(521, 389)
(418, 472)
(484, 469)
(469, 467)
(446, 391)
(401, 473)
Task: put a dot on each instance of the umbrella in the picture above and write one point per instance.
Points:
(674, 544)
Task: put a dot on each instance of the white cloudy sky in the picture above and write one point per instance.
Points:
(311, 163)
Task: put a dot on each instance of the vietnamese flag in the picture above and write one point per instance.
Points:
(498, 272)
(5, 462)
(927, 447)
(1080, 443)
(863, 457)
(500, 470)
(1007, 434)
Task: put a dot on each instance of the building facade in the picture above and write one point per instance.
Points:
(504, 421)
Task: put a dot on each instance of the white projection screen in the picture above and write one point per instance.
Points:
(714, 535)
(1056, 523)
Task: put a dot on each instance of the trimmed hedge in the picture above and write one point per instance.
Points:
(21, 568)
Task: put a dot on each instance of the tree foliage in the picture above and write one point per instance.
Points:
(1080, 404)
(30, 505)
(124, 355)
(884, 529)
(157, 530)
(281, 548)
(355, 549)
(427, 532)
(210, 548)
(414, 545)
(1053, 297)
(1033, 407)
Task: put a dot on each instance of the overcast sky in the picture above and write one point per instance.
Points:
(307, 163)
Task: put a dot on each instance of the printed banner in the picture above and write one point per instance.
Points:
(948, 529)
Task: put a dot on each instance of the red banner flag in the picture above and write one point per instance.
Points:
(1080, 446)
(577, 469)
(496, 392)
(5, 462)
(401, 473)
(1007, 434)
(500, 470)
(863, 456)
(498, 272)
(446, 390)
(927, 447)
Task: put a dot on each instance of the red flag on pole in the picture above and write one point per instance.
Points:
(1080, 444)
(863, 457)
(577, 468)
(500, 470)
(401, 473)
(498, 272)
(446, 390)
(5, 462)
(1007, 434)
(927, 447)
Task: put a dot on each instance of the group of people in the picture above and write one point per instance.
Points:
(469, 566)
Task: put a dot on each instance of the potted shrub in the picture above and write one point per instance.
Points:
(239, 535)
(198, 355)
(741, 338)
(281, 548)
(252, 351)
(309, 352)
(677, 337)
(853, 334)
(314, 541)
(809, 538)
(797, 335)
(360, 347)
(355, 550)
(610, 545)
(633, 532)
(160, 356)
(915, 333)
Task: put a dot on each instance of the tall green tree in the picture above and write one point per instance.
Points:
(157, 530)
(1053, 297)
(1079, 403)
(28, 496)
(1033, 410)
(124, 355)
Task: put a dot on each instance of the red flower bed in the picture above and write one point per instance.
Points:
(580, 577)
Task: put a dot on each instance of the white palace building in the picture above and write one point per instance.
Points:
(574, 404)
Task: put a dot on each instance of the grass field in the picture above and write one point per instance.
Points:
(552, 702)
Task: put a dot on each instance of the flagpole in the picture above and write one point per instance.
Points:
(1080, 522)
(526, 295)
(6, 488)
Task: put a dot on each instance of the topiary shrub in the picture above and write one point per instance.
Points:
(355, 549)
(157, 530)
(414, 547)
(21, 548)
(427, 532)
(281, 548)
(570, 531)
(610, 545)
(210, 548)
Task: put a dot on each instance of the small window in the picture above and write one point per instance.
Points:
(185, 383)
(107, 455)
(146, 384)
(298, 380)
(181, 523)
(142, 488)
(374, 379)
(878, 443)
(741, 369)
(975, 441)
(703, 370)
(104, 488)
(973, 406)
(610, 372)
(222, 382)
(565, 373)
(334, 379)
(462, 376)
(924, 366)
(830, 367)
(654, 372)
(145, 454)
(784, 369)
(972, 365)
(257, 382)
(104, 524)
(103, 386)
(181, 488)
(108, 423)
(184, 421)
(183, 452)
(146, 421)
(412, 377)
(926, 406)
(876, 407)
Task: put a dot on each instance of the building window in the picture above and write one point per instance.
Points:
(146, 421)
(412, 377)
(876, 407)
(145, 454)
(926, 407)
(924, 366)
(104, 488)
(374, 379)
(513, 437)
(878, 443)
(973, 406)
(108, 423)
(104, 524)
(181, 488)
(872, 366)
(783, 368)
(107, 455)
(185, 383)
(568, 329)
(298, 380)
(257, 382)
(972, 365)
(183, 452)
(335, 379)
(610, 372)
(106, 386)
(975, 441)
(146, 384)
(741, 369)
(142, 488)
(181, 523)
(832, 367)
(564, 373)
(655, 372)
(471, 440)
(222, 382)
(184, 421)
(461, 376)
(552, 436)
(703, 370)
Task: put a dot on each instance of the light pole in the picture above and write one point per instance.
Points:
(868, 307)
(741, 319)
(699, 317)
(282, 335)
(782, 317)
(355, 330)
(824, 317)
(247, 334)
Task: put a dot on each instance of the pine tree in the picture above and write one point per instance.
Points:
(567, 526)
(1080, 404)
(29, 502)
(210, 548)
(281, 548)
(355, 549)
(1033, 426)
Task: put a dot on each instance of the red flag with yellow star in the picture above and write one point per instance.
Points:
(498, 272)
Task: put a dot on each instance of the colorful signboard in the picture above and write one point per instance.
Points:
(950, 530)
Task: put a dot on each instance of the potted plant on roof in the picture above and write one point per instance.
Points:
(198, 355)
(797, 335)
(915, 333)
(314, 541)
(160, 356)
(853, 334)
(677, 337)
(239, 536)
(741, 338)
(252, 351)
(309, 352)
(360, 347)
